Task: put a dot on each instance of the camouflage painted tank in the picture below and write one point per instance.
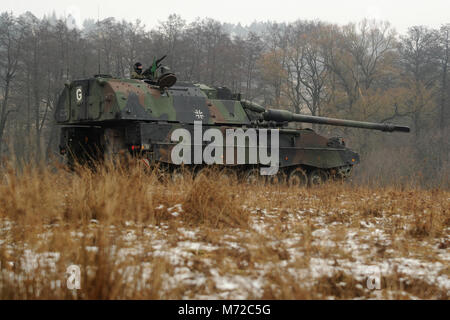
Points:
(105, 116)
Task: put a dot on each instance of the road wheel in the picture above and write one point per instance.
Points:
(160, 173)
(317, 177)
(179, 174)
(206, 172)
(298, 178)
(276, 179)
(228, 175)
(253, 177)
(344, 172)
(176, 176)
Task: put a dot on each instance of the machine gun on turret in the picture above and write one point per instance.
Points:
(165, 80)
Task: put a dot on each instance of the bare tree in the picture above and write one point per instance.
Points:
(307, 70)
(444, 103)
(11, 38)
(171, 31)
(273, 63)
(444, 62)
(419, 61)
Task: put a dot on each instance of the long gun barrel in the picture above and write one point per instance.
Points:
(160, 59)
(287, 116)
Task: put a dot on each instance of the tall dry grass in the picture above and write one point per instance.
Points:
(53, 218)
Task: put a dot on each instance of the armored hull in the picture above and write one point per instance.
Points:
(107, 117)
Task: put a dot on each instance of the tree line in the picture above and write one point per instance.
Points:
(361, 71)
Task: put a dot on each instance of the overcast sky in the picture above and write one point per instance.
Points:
(401, 13)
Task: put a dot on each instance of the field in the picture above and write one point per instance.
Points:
(135, 236)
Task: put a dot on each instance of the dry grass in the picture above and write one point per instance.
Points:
(135, 236)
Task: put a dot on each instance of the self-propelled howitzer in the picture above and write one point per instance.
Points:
(108, 117)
